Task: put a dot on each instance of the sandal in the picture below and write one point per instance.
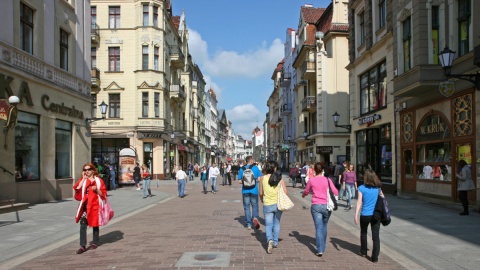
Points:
(81, 250)
(93, 246)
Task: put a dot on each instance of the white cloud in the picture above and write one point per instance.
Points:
(246, 118)
(197, 46)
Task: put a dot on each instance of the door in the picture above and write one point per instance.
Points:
(407, 170)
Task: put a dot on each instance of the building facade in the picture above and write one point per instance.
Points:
(45, 62)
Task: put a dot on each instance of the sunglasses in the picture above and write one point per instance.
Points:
(87, 169)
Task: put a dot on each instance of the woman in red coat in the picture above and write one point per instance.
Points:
(90, 191)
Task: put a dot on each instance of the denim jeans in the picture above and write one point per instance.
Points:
(340, 192)
(205, 184)
(214, 184)
(181, 187)
(350, 193)
(146, 186)
(83, 233)
(303, 181)
(250, 199)
(320, 216)
(375, 225)
(190, 175)
(112, 182)
(272, 222)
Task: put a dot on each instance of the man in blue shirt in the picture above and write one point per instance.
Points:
(250, 195)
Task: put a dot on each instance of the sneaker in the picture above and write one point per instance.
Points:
(275, 246)
(270, 247)
(249, 227)
(256, 223)
(81, 250)
(138, 188)
(213, 192)
(93, 246)
(319, 254)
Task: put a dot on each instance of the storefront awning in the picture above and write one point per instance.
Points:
(182, 147)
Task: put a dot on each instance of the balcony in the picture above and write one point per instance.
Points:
(177, 59)
(308, 104)
(95, 33)
(285, 109)
(95, 74)
(177, 92)
(286, 78)
(308, 70)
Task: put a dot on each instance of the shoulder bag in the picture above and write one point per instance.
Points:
(283, 201)
(105, 213)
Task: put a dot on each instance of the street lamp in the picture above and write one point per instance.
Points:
(336, 117)
(446, 60)
(103, 109)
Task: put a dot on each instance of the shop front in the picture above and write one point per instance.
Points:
(434, 138)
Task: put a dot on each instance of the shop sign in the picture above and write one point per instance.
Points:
(155, 135)
(369, 120)
(60, 108)
(324, 149)
(446, 88)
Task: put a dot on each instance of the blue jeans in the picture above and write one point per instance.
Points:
(350, 193)
(112, 182)
(250, 199)
(190, 175)
(181, 187)
(214, 184)
(272, 222)
(146, 186)
(320, 216)
(340, 192)
(205, 184)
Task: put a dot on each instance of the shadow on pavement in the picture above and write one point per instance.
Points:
(111, 237)
(339, 243)
(308, 241)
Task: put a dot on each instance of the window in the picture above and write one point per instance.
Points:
(435, 34)
(27, 147)
(26, 28)
(155, 58)
(373, 89)
(63, 50)
(145, 15)
(463, 19)
(94, 105)
(145, 104)
(93, 15)
(144, 57)
(114, 105)
(114, 59)
(63, 149)
(363, 30)
(382, 13)
(407, 40)
(155, 16)
(93, 57)
(157, 104)
(114, 17)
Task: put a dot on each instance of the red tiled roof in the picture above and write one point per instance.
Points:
(325, 24)
(311, 14)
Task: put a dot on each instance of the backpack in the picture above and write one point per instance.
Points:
(248, 178)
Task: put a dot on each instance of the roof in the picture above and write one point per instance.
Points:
(176, 21)
(325, 24)
(310, 16)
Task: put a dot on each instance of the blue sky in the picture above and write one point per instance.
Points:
(237, 45)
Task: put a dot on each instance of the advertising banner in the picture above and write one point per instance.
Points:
(126, 164)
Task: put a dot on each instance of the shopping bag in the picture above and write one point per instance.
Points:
(105, 213)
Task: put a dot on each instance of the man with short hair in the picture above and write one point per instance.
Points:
(213, 173)
(250, 194)
(341, 170)
(190, 171)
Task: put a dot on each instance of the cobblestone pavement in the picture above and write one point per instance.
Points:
(211, 226)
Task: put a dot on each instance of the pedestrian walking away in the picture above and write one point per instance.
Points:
(181, 178)
(269, 186)
(90, 190)
(367, 199)
(465, 184)
(320, 209)
(137, 175)
(113, 177)
(250, 193)
(213, 173)
(147, 179)
(341, 181)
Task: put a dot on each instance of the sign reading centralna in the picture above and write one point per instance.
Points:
(61, 108)
(369, 120)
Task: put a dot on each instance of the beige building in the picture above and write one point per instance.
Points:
(146, 76)
(372, 110)
(44, 61)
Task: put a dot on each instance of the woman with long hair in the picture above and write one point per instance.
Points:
(367, 199)
(350, 184)
(90, 190)
(204, 178)
(465, 183)
(318, 186)
(147, 179)
(268, 191)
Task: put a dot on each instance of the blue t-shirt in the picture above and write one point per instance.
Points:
(257, 173)
(370, 196)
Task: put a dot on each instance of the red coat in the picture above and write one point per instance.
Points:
(92, 200)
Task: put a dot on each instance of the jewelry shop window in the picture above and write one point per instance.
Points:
(63, 149)
(433, 149)
(27, 147)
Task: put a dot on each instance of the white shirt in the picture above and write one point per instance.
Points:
(427, 171)
(213, 172)
(180, 175)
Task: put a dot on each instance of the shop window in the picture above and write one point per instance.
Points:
(27, 147)
(148, 155)
(63, 149)
(373, 90)
(408, 163)
(464, 14)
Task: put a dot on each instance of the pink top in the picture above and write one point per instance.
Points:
(350, 177)
(319, 187)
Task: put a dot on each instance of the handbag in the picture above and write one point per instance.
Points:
(105, 213)
(283, 201)
(332, 200)
(382, 212)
